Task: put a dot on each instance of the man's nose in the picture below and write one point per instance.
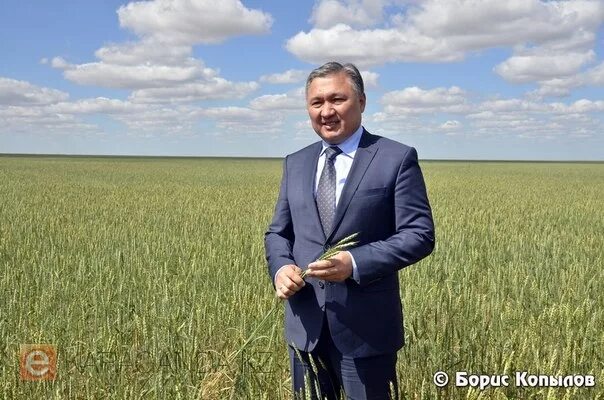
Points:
(327, 110)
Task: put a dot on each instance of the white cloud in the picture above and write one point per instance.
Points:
(579, 107)
(292, 101)
(190, 22)
(39, 120)
(558, 87)
(242, 120)
(42, 110)
(562, 86)
(446, 30)
(59, 62)
(159, 120)
(18, 93)
(371, 47)
(414, 100)
(359, 13)
(530, 119)
(539, 66)
(99, 105)
(289, 76)
(189, 80)
(488, 23)
(370, 79)
(421, 111)
(451, 125)
(133, 66)
(132, 76)
(147, 51)
(511, 105)
(215, 88)
(160, 67)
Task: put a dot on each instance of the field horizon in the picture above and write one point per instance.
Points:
(280, 158)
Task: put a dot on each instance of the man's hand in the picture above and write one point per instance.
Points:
(288, 281)
(336, 269)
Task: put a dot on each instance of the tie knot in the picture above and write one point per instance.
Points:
(331, 152)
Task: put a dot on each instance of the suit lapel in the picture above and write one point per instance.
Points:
(362, 159)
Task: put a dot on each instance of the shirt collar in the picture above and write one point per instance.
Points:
(348, 146)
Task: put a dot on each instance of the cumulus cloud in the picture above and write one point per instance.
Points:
(25, 107)
(289, 76)
(160, 67)
(421, 111)
(446, 30)
(98, 105)
(291, 101)
(147, 51)
(413, 100)
(328, 13)
(524, 68)
(451, 125)
(371, 47)
(21, 93)
(159, 120)
(39, 120)
(530, 119)
(370, 79)
(144, 75)
(215, 88)
(190, 22)
(560, 87)
(153, 77)
(243, 120)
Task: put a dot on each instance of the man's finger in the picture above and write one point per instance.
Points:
(297, 279)
(291, 283)
(281, 293)
(323, 264)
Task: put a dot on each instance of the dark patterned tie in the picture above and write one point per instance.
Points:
(326, 190)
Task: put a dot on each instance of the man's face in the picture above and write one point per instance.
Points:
(334, 107)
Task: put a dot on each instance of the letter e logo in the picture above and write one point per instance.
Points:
(38, 362)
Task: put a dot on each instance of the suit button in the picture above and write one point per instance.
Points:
(321, 284)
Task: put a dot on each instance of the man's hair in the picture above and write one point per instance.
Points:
(332, 67)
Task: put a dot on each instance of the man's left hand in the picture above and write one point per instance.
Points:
(336, 269)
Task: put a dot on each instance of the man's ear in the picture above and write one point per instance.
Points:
(363, 101)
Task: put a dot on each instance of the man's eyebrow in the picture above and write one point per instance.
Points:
(328, 96)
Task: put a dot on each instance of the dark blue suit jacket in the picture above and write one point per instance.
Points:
(384, 199)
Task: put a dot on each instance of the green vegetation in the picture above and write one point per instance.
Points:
(149, 274)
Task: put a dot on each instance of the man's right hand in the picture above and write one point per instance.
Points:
(288, 281)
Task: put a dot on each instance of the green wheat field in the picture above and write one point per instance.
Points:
(148, 275)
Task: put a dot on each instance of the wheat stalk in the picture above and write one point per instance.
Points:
(343, 244)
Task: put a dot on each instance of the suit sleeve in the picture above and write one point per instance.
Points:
(413, 238)
(279, 238)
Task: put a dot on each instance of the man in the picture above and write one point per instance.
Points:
(343, 321)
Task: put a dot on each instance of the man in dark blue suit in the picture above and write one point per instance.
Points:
(343, 322)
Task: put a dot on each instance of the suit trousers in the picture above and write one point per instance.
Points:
(324, 372)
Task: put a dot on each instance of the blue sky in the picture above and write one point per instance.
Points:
(457, 79)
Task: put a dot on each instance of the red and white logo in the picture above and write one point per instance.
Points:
(38, 362)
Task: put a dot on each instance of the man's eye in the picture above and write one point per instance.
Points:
(338, 100)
